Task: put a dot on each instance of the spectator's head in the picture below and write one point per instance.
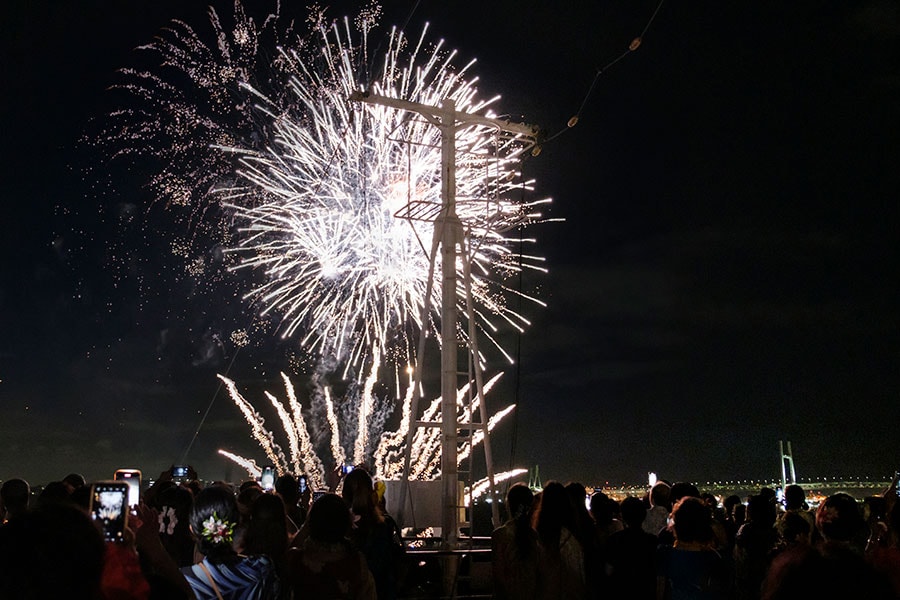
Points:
(602, 508)
(14, 494)
(633, 512)
(359, 494)
(266, 532)
(692, 520)
(681, 490)
(248, 484)
(53, 492)
(795, 529)
(729, 503)
(52, 551)
(329, 520)
(214, 517)
(739, 513)
(73, 481)
(519, 500)
(761, 511)
(245, 500)
(578, 495)
(287, 487)
(175, 509)
(838, 518)
(554, 511)
(768, 493)
(660, 495)
(795, 498)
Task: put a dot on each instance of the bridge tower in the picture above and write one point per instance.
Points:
(534, 479)
(787, 458)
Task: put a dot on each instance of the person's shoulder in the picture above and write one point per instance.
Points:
(255, 563)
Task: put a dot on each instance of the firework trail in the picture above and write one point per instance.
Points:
(257, 426)
(388, 456)
(249, 464)
(337, 451)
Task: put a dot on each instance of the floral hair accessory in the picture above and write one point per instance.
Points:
(218, 531)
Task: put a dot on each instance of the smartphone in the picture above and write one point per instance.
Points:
(317, 495)
(133, 478)
(346, 469)
(109, 508)
(267, 479)
(302, 485)
(179, 472)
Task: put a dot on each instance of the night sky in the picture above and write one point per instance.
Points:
(725, 278)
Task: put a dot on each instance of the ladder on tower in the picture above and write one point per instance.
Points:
(468, 377)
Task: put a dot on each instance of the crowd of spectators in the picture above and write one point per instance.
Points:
(215, 541)
(187, 540)
(678, 544)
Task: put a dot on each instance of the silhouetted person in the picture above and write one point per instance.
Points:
(562, 564)
(266, 532)
(630, 555)
(174, 524)
(660, 507)
(514, 549)
(755, 542)
(288, 488)
(690, 569)
(52, 551)
(373, 533)
(14, 497)
(73, 481)
(326, 565)
(814, 572)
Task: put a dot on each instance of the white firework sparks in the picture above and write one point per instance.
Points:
(321, 202)
(263, 135)
(327, 202)
(388, 457)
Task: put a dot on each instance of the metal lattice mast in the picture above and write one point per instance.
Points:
(449, 235)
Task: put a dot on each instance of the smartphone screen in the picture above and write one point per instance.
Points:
(302, 485)
(267, 479)
(317, 495)
(179, 472)
(109, 507)
(133, 478)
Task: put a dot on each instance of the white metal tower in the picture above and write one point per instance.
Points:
(450, 236)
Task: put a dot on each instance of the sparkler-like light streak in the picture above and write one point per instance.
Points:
(249, 464)
(257, 426)
(337, 451)
(388, 456)
(482, 485)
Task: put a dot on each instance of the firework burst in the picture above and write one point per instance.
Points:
(329, 206)
(260, 147)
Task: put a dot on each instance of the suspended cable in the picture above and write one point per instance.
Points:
(632, 47)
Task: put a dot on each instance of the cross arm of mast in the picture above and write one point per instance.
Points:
(434, 114)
